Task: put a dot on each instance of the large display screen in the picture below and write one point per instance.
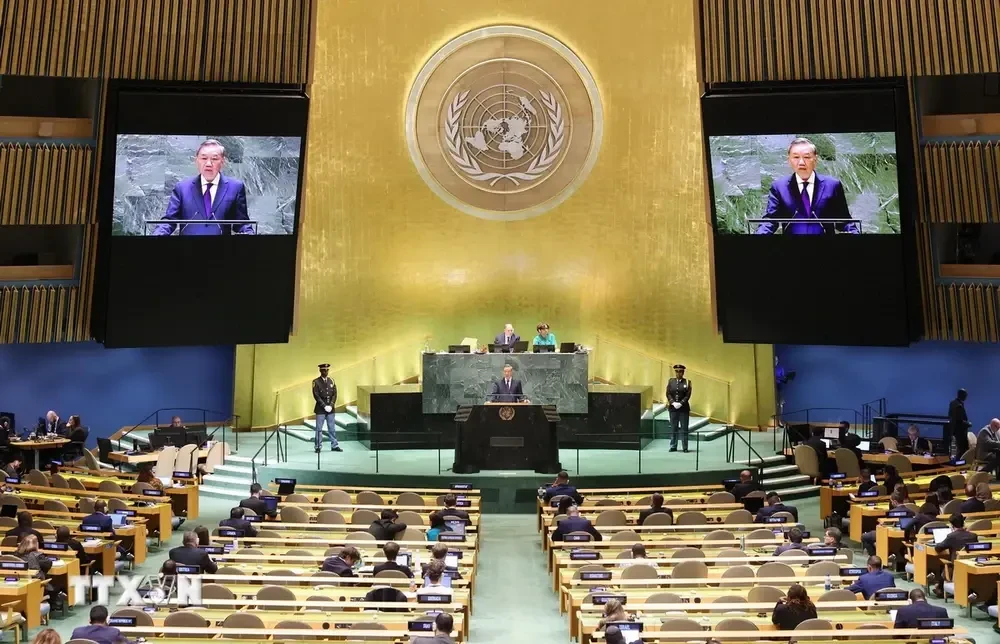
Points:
(198, 213)
(806, 184)
(812, 206)
(161, 184)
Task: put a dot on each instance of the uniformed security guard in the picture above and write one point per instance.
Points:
(678, 395)
(325, 394)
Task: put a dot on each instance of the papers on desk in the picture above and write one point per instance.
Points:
(892, 615)
(940, 534)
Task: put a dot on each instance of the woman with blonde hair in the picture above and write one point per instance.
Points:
(613, 612)
(47, 636)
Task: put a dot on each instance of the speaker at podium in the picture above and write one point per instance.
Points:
(507, 436)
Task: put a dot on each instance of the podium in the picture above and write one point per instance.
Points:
(506, 436)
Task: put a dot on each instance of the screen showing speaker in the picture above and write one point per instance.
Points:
(813, 198)
(199, 205)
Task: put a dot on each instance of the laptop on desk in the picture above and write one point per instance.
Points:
(940, 534)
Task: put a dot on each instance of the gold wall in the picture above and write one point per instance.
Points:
(384, 261)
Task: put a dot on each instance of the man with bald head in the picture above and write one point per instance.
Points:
(988, 446)
(745, 486)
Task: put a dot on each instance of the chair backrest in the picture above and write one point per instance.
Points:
(815, 624)
(789, 517)
(719, 535)
(722, 497)
(409, 498)
(293, 514)
(363, 517)
(735, 624)
(7, 542)
(739, 516)
(139, 486)
(275, 592)
(981, 524)
(142, 618)
(889, 442)
(331, 517)
(370, 498)
(186, 459)
(682, 624)
(664, 598)
(37, 478)
(690, 569)
(806, 460)
(297, 498)
(794, 552)
(607, 502)
(216, 591)
(761, 533)
(110, 486)
(688, 553)
(244, 619)
(12, 499)
(732, 552)
(692, 518)
(362, 535)
(55, 505)
(392, 574)
(951, 506)
(75, 484)
(738, 572)
(588, 568)
(847, 462)
(611, 517)
(991, 504)
(624, 554)
(659, 518)
(165, 461)
(117, 504)
(973, 439)
(86, 504)
(957, 482)
(80, 640)
(59, 481)
(731, 599)
(336, 496)
(216, 456)
(775, 569)
(189, 618)
(765, 594)
(412, 534)
(626, 535)
(410, 517)
(823, 568)
(293, 624)
(233, 570)
(979, 477)
(640, 571)
(837, 595)
(900, 462)
(931, 525)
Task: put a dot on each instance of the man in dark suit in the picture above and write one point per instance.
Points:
(655, 507)
(794, 542)
(822, 454)
(98, 629)
(988, 446)
(386, 528)
(99, 516)
(208, 195)
(561, 487)
(342, 563)
(256, 503)
(443, 626)
(237, 522)
(508, 389)
(874, 580)
(54, 424)
(745, 486)
(324, 391)
(954, 543)
(958, 423)
(505, 341)
(773, 506)
(24, 526)
(575, 523)
(391, 551)
(913, 443)
(189, 554)
(907, 616)
(972, 503)
(451, 511)
(806, 196)
(679, 407)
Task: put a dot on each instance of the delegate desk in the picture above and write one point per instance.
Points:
(881, 458)
(26, 594)
(832, 497)
(183, 493)
(926, 558)
(970, 576)
(138, 458)
(855, 636)
(507, 436)
(451, 380)
(38, 445)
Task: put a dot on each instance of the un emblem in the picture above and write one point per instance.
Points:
(504, 123)
(506, 413)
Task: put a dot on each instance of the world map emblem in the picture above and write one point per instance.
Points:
(504, 123)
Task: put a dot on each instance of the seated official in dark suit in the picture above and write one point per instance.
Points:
(974, 503)
(507, 339)
(386, 528)
(444, 624)
(822, 452)
(655, 507)
(907, 616)
(745, 486)
(342, 563)
(189, 554)
(256, 503)
(237, 522)
(54, 424)
(98, 629)
(507, 389)
(450, 510)
(794, 542)
(561, 487)
(24, 527)
(773, 506)
(63, 535)
(99, 516)
(913, 443)
(866, 481)
(954, 543)
(988, 446)
(575, 523)
(873, 580)
(391, 551)
(806, 197)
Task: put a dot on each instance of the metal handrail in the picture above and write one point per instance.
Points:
(778, 421)
(639, 436)
(731, 452)
(156, 414)
(278, 455)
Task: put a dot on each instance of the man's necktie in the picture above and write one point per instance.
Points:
(208, 201)
(806, 204)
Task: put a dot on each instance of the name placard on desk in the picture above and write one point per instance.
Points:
(775, 519)
(868, 493)
(595, 575)
(152, 492)
(428, 598)
(584, 555)
(974, 547)
(852, 572)
(444, 536)
(600, 600)
(461, 486)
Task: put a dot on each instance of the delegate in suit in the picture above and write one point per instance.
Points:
(806, 196)
(208, 195)
(907, 616)
(507, 390)
(506, 340)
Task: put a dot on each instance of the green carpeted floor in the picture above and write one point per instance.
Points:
(514, 599)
